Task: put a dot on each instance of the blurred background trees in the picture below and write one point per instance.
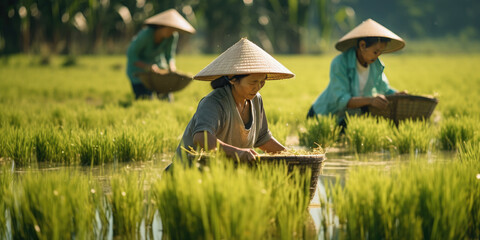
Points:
(280, 26)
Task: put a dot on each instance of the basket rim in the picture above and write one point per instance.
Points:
(413, 97)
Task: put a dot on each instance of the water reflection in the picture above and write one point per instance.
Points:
(336, 169)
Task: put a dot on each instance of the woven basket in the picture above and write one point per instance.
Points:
(164, 83)
(401, 107)
(301, 162)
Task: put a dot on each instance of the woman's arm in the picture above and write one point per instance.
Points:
(380, 101)
(209, 142)
(272, 146)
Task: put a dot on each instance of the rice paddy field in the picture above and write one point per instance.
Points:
(80, 159)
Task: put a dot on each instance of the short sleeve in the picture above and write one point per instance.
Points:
(264, 134)
(208, 117)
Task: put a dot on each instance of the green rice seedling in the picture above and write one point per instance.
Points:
(127, 201)
(6, 180)
(366, 134)
(413, 137)
(454, 131)
(223, 201)
(96, 147)
(133, 145)
(416, 200)
(322, 130)
(18, 145)
(52, 205)
(289, 205)
(53, 146)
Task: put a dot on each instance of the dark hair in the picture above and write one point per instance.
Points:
(155, 26)
(224, 81)
(369, 41)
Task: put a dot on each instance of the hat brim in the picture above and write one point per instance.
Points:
(392, 46)
(370, 28)
(244, 57)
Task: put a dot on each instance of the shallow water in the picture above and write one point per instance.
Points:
(335, 168)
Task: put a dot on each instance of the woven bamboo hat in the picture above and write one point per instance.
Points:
(170, 18)
(244, 57)
(370, 28)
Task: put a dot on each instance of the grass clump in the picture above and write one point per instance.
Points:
(413, 137)
(226, 202)
(127, 203)
(455, 131)
(417, 200)
(43, 206)
(365, 134)
(320, 131)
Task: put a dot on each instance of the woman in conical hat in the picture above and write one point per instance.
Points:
(153, 48)
(357, 79)
(232, 115)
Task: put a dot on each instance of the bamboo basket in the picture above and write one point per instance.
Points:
(301, 162)
(164, 83)
(401, 107)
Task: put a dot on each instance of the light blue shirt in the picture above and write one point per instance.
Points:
(344, 85)
(143, 48)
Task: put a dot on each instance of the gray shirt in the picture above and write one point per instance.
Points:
(217, 114)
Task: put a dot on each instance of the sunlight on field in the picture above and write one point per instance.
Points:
(84, 114)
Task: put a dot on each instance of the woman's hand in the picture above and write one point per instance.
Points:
(246, 155)
(158, 70)
(380, 101)
(404, 92)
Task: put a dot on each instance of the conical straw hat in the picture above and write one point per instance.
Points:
(370, 28)
(170, 18)
(244, 57)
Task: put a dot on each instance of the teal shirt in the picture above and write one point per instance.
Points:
(344, 85)
(143, 48)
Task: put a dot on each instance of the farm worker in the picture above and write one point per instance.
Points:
(357, 79)
(232, 115)
(153, 48)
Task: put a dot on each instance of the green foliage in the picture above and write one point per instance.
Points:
(222, 201)
(322, 130)
(411, 201)
(455, 131)
(56, 205)
(127, 202)
(413, 137)
(366, 134)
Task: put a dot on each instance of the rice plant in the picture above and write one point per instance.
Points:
(96, 148)
(413, 137)
(366, 134)
(454, 131)
(6, 181)
(412, 201)
(127, 201)
(51, 205)
(18, 146)
(322, 130)
(224, 202)
(54, 146)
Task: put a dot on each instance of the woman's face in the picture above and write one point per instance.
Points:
(369, 55)
(249, 86)
(164, 32)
